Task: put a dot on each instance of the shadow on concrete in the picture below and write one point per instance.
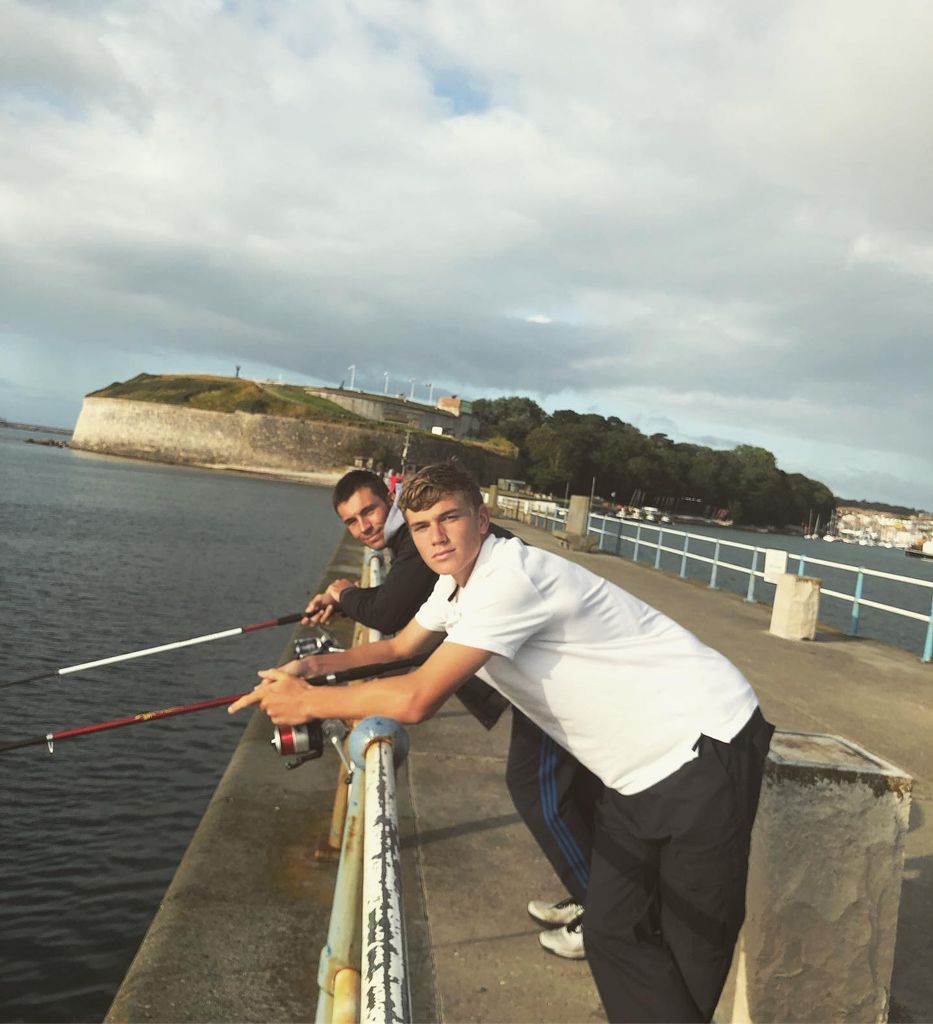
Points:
(436, 835)
(912, 944)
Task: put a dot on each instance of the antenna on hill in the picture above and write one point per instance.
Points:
(238, 371)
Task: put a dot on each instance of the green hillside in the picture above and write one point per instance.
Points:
(226, 394)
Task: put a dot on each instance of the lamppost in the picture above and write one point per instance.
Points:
(352, 370)
(385, 390)
(430, 388)
(411, 394)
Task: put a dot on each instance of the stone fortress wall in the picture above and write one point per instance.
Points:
(257, 443)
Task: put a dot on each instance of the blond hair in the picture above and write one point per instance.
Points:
(429, 485)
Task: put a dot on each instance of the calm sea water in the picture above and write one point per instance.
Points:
(881, 625)
(99, 556)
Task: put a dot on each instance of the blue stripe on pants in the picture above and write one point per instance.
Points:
(564, 838)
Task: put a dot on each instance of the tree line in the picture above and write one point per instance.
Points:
(563, 451)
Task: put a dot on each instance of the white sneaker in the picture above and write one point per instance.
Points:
(555, 915)
(566, 942)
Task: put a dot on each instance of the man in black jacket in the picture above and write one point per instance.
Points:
(361, 499)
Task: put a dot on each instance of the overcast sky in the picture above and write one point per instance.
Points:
(713, 220)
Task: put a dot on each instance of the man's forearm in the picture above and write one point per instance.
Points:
(398, 697)
(410, 698)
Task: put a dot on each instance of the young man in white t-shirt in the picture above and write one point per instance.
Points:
(669, 726)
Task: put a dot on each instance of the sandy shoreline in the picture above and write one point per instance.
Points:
(315, 478)
(320, 478)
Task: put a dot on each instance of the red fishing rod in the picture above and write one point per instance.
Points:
(330, 679)
(50, 738)
(284, 620)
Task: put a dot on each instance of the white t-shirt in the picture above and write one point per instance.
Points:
(622, 687)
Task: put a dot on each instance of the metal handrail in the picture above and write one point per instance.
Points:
(342, 951)
(375, 579)
(754, 573)
(378, 745)
(370, 984)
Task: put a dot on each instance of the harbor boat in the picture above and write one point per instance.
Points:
(924, 550)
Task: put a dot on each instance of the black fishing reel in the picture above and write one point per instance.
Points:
(322, 642)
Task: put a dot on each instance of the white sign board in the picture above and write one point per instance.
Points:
(775, 564)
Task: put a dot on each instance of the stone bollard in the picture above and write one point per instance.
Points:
(578, 515)
(824, 886)
(573, 535)
(796, 607)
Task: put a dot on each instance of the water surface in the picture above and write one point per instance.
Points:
(99, 556)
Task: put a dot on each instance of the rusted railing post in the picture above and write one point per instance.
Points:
(342, 951)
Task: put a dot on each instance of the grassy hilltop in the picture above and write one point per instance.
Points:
(226, 394)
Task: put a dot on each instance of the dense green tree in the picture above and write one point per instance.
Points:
(512, 418)
(567, 449)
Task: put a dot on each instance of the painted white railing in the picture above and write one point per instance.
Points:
(653, 536)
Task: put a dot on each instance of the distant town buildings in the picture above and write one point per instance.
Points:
(857, 525)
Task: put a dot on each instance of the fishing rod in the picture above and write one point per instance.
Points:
(237, 631)
(329, 679)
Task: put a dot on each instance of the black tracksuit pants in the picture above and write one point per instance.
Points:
(666, 896)
(556, 798)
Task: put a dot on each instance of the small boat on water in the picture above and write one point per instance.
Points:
(924, 550)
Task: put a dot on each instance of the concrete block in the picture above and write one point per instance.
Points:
(578, 515)
(796, 607)
(824, 886)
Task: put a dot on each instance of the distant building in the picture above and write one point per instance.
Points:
(451, 416)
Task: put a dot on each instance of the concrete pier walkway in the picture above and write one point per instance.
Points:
(239, 932)
(478, 866)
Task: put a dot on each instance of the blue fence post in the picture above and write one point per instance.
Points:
(750, 593)
(801, 566)
(856, 598)
(683, 559)
(928, 646)
(657, 556)
(712, 575)
(637, 542)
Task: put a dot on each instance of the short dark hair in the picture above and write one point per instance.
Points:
(429, 485)
(356, 480)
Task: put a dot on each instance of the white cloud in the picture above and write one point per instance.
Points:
(715, 208)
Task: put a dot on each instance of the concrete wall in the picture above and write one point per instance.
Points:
(169, 433)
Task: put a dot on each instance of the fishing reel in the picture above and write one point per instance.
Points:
(306, 741)
(323, 642)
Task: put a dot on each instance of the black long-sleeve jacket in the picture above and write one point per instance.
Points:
(392, 605)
